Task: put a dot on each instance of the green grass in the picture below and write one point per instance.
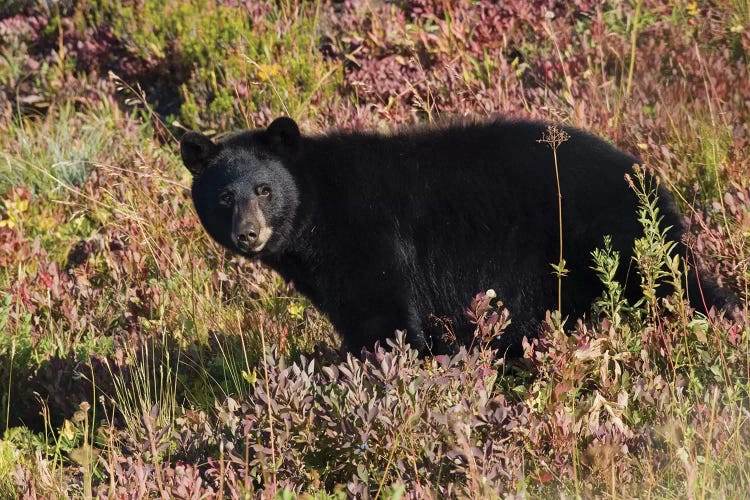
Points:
(57, 151)
(236, 62)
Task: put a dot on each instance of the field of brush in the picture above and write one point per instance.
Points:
(138, 359)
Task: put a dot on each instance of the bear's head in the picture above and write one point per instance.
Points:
(243, 191)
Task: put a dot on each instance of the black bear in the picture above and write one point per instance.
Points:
(390, 231)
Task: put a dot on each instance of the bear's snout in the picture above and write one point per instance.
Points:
(246, 239)
(245, 233)
(250, 231)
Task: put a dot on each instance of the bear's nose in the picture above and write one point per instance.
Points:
(246, 238)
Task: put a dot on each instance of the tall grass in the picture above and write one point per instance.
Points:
(58, 148)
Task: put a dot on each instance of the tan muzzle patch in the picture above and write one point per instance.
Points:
(264, 230)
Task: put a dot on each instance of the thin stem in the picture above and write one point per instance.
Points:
(560, 226)
(270, 412)
(553, 137)
(631, 66)
(10, 382)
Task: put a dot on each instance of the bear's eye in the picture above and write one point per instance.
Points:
(263, 190)
(226, 199)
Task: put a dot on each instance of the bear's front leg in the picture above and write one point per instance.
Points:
(379, 322)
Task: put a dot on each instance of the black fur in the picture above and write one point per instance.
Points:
(386, 232)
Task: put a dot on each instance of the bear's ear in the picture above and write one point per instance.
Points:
(283, 135)
(196, 149)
